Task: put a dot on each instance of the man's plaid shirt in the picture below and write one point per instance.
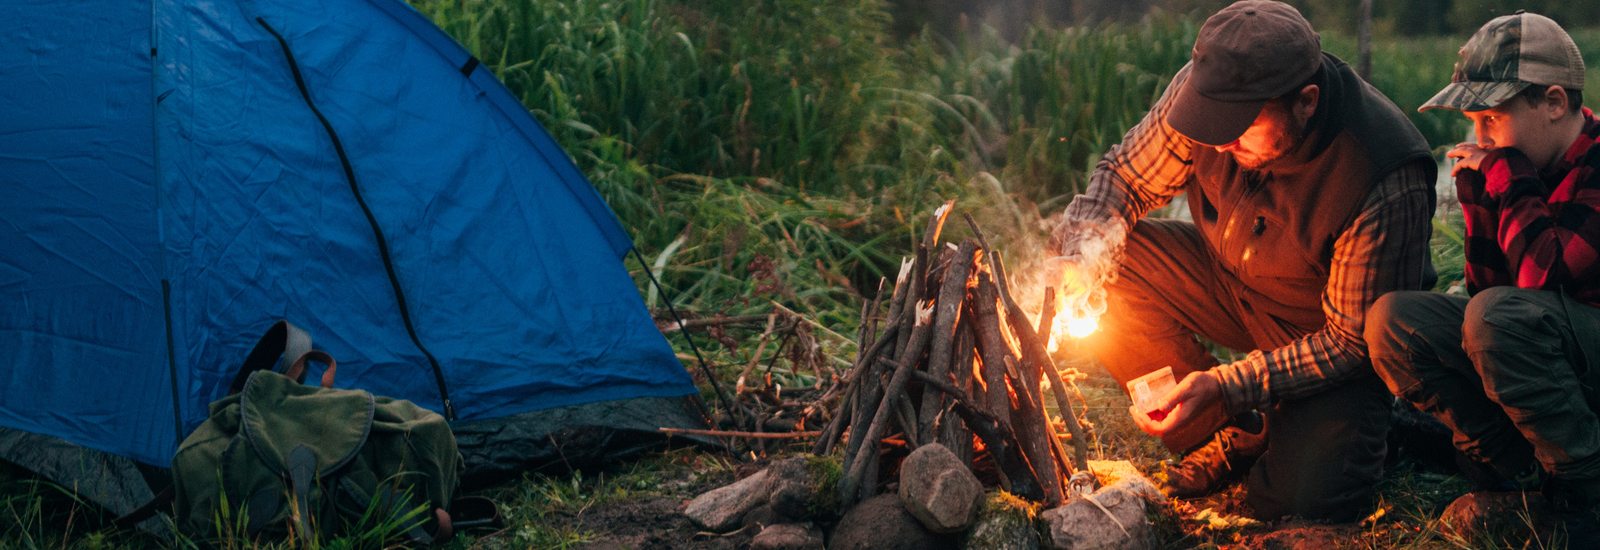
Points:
(1385, 248)
(1529, 231)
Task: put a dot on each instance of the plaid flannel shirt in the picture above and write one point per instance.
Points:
(1384, 249)
(1534, 230)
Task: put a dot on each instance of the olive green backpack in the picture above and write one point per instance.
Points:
(278, 458)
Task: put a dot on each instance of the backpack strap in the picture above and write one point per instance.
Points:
(302, 467)
(162, 499)
(297, 371)
(282, 344)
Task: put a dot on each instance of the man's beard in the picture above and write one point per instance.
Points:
(1293, 135)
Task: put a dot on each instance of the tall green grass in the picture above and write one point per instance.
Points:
(786, 149)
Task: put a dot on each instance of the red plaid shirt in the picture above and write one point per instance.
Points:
(1534, 230)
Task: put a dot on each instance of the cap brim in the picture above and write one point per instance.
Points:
(1474, 96)
(1209, 121)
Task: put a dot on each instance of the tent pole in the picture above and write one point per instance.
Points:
(726, 402)
(377, 232)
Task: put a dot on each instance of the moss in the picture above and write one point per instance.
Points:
(1001, 517)
(825, 473)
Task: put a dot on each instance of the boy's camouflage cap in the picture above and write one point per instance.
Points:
(1506, 55)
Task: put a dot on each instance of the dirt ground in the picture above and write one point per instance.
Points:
(652, 524)
(658, 524)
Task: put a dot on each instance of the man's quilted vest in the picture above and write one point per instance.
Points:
(1275, 228)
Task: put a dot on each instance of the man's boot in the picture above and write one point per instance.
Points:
(1233, 449)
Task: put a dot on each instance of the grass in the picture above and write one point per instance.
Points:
(787, 150)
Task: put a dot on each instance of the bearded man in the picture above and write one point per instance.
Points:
(1311, 195)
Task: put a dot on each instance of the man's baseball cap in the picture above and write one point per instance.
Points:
(1506, 55)
(1246, 54)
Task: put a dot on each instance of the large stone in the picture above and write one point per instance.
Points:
(788, 536)
(805, 487)
(939, 489)
(1005, 522)
(1081, 525)
(792, 488)
(1497, 514)
(722, 509)
(881, 523)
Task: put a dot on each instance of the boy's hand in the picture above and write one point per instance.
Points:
(1470, 157)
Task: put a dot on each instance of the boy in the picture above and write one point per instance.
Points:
(1513, 369)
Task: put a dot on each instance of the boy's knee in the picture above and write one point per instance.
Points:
(1504, 317)
(1385, 325)
(1391, 323)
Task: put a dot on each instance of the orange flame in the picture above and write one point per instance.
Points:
(1079, 317)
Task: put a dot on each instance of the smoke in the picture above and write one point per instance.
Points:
(1089, 255)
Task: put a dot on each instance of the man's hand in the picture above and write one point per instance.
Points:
(1471, 157)
(1195, 404)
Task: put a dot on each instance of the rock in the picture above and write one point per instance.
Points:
(792, 487)
(881, 523)
(1497, 514)
(1005, 522)
(1141, 487)
(761, 517)
(1123, 475)
(939, 489)
(723, 509)
(1080, 525)
(805, 487)
(788, 536)
(1108, 472)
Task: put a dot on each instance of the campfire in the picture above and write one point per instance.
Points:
(957, 357)
(954, 372)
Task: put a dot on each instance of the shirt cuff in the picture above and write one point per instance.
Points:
(1243, 382)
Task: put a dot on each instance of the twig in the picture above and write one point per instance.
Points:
(841, 337)
(824, 445)
(1080, 445)
(755, 435)
(761, 346)
(710, 321)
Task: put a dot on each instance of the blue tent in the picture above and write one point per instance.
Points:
(181, 173)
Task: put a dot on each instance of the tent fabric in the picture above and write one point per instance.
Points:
(172, 189)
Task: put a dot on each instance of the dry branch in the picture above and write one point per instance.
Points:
(1000, 441)
(952, 293)
(754, 435)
